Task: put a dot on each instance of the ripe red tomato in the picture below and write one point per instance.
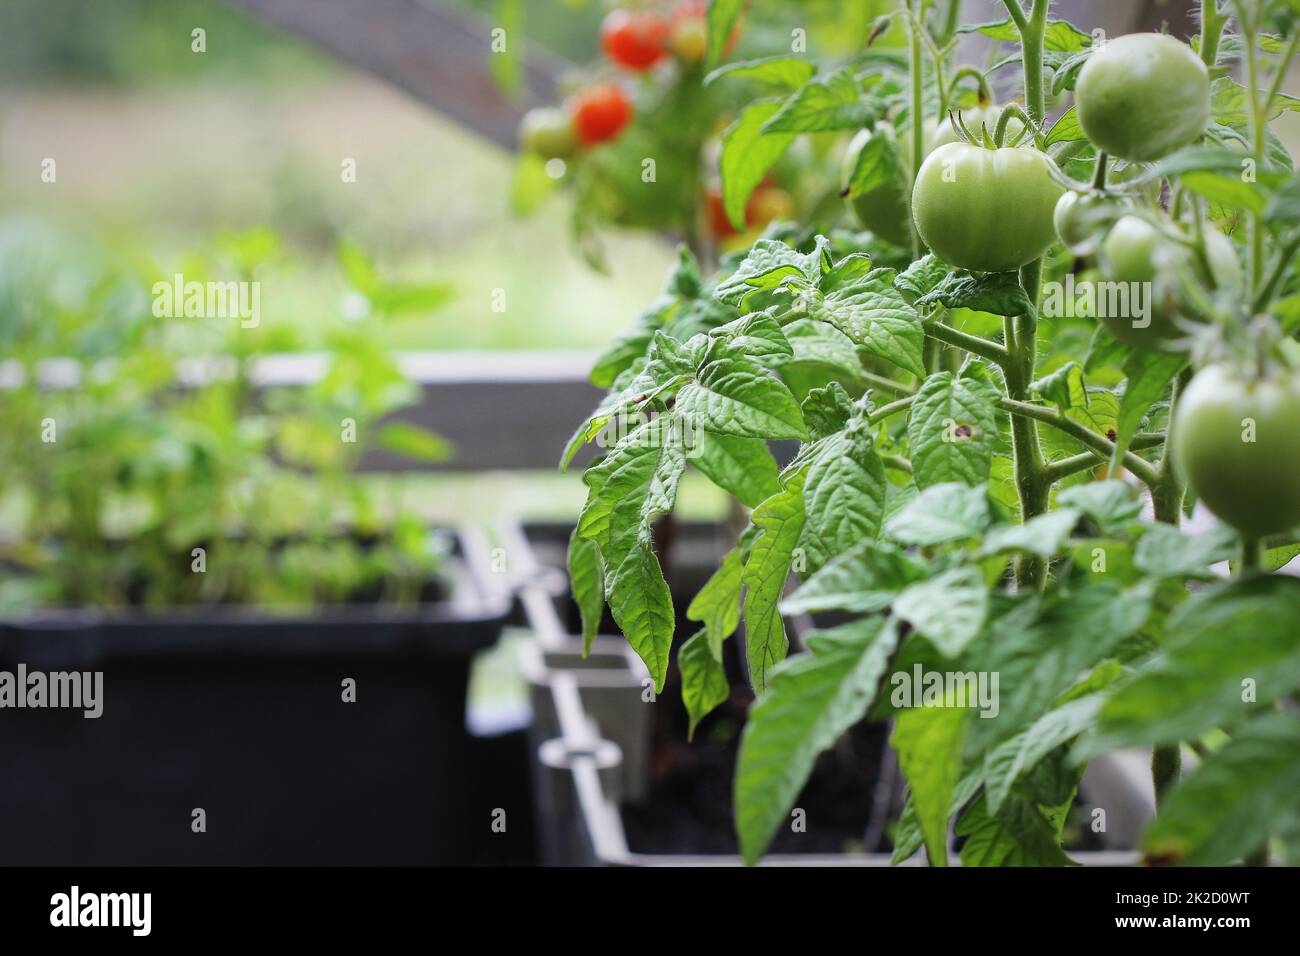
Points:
(634, 40)
(600, 113)
(768, 202)
(720, 226)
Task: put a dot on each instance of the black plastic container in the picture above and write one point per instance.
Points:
(240, 714)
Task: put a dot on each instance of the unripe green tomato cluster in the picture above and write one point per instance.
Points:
(1236, 441)
(987, 210)
(1135, 252)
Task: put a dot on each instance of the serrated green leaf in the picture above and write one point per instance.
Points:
(826, 410)
(1148, 375)
(1006, 763)
(1043, 645)
(742, 467)
(783, 72)
(704, 681)
(767, 264)
(929, 741)
(941, 514)
(879, 163)
(812, 700)
(952, 429)
(1066, 129)
(998, 293)
(1018, 835)
(948, 610)
(1226, 809)
(1044, 535)
(844, 495)
(1236, 637)
(1166, 552)
(642, 607)
(780, 520)
(862, 580)
(748, 153)
(717, 605)
(1111, 504)
(874, 314)
(823, 104)
(733, 396)
(587, 582)
(922, 277)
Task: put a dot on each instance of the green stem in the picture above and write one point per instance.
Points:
(974, 344)
(1099, 173)
(1283, 69)
(1258, 137)
(888, 384)
(893, 408)
(1275, 277)
(1166, 765)
(1211, 30)
(1021, 333)
(917, 67)
(1141, 468)
(985, 94)
(1169, 490)
(1252, 555)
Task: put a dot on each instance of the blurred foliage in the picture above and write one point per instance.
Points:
(114, 481)
(124, 42)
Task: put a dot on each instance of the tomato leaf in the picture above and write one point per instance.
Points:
(948, 610)
(734, 396)
(748, 152)
(929, 741)
(780, 520)
(820, 105)
(952, 430)
(812, 699)
(717, 605)
(704, 681)
(1220, 639)
(1226, 809)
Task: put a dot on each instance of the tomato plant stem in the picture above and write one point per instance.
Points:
(1019, 410)
(1211, 30)
(1169, 489)
(918, 103)
(1033, 485)
(1166, 766)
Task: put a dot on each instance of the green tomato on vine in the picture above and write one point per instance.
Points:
(987, 210)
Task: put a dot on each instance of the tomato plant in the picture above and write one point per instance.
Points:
(986, 479)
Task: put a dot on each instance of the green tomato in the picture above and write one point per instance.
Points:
(548, 132)
(1237, 443)
(884, 210)
(1080, 219)
(988, 210)
(1136, 254)
(1142, 96)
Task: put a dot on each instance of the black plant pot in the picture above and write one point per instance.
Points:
(240, 714)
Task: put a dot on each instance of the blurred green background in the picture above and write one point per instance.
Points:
(163, 154)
